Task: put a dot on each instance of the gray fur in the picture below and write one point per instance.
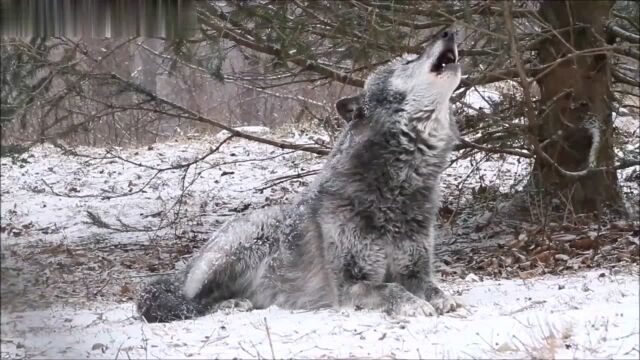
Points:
(362, 234)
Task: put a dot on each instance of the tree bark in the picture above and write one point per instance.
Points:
(575, 109)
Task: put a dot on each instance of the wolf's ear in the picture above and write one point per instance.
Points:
(350, 108)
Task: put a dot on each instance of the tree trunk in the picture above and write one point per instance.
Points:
(575, 109)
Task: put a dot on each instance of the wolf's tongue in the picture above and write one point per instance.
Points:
(449, 57)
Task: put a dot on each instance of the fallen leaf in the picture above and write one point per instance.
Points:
(585, 244)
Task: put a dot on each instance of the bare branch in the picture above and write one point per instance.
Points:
(304, 64)
(466, 144)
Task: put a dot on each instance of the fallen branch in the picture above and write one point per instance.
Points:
(273, 355)
(282, 179)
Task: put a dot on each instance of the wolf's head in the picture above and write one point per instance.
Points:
(416, 85)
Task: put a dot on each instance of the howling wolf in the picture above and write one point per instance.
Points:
(362, 235)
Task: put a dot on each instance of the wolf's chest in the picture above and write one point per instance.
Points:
(382, 260)
(404, 259)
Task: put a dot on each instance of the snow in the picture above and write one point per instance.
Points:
(98, 184)
(588, 315)
(481, 98)
(485, 98)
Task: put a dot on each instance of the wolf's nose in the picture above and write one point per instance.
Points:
(448, 35)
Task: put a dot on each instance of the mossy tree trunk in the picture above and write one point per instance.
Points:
(575, 108)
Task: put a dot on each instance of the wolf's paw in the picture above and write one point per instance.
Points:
(443, 303)
(413, 307)
(233, 305)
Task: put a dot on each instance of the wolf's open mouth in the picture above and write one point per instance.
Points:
(445, 58)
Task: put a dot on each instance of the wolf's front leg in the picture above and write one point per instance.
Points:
(441, 301)
(391, 298)
(418, 276)
(426, 288)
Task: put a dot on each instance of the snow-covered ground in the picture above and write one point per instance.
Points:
(590, 315)
(67, 284)
(49, 191)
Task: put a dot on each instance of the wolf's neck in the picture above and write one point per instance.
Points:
(397, 158)
(424, 132)
(438, 129)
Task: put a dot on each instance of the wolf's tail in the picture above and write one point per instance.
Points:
(162, 301)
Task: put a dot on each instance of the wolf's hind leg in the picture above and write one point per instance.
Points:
(391, 298)
(228, 265)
